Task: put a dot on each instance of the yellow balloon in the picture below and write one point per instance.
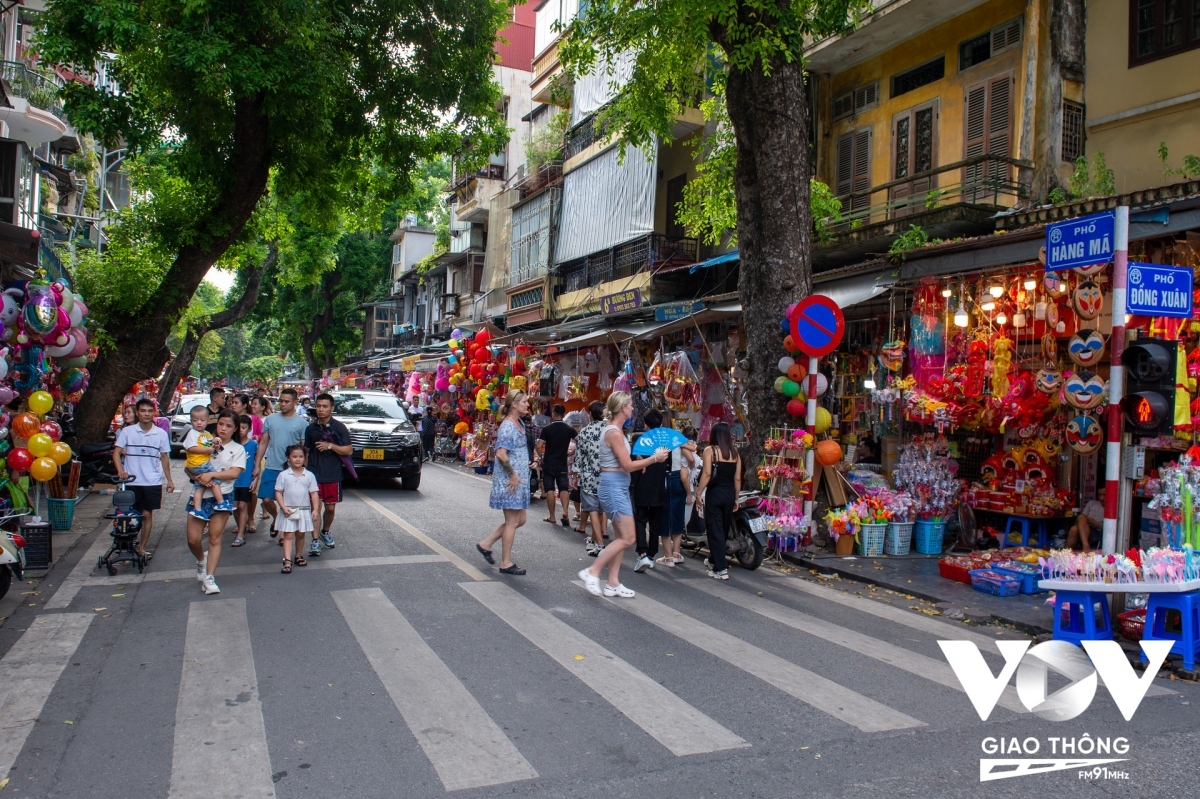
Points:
(43, 469)
(39, 445)
(824, 420)
(40, 402)
(60, 453)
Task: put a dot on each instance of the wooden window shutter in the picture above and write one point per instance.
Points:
(975, 120)
(1000, 125)
(862, 167)
(845, 165)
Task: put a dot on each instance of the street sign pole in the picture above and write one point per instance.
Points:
(810, 461)
(1115, 505)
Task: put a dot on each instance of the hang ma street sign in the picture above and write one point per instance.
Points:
(1079, 242)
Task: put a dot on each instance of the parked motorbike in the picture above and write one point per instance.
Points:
(97, 464)
(745, 543)
(12, 560)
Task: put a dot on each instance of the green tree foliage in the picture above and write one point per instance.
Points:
(338, 100)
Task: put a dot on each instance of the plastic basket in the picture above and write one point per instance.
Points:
(870, 540)
(1132, 623)
(898, 539)
(990, 581)
(1027, 574)
(929, 537)
(60, 513)
(952, 571)
(39, 548)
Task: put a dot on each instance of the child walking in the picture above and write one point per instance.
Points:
(199, 447)
(241, 488)
(296, 493)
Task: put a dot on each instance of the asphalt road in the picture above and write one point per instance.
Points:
(400, 665)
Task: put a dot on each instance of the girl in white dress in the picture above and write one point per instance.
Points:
(296, 493)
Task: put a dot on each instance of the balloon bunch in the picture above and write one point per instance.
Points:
(37, 442)
(475, 373)
(44, 326)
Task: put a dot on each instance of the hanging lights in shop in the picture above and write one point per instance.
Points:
(996, 289)
(960, 316)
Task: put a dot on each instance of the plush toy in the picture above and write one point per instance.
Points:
(442, 381)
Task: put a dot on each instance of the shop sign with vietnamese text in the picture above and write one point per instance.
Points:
(1156, 290)
(676, 310)
(1078, 242)
(621, 301)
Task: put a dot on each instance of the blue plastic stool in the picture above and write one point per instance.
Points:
(1186, 641)
(1043, 538)
(1080, 607)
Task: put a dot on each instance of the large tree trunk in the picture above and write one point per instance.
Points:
(140, 339)
(308, 340)
(774, 225)
(182, 364)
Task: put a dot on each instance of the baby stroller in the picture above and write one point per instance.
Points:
(445, 446)
(126, 527)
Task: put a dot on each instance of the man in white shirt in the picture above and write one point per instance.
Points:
(143, 456)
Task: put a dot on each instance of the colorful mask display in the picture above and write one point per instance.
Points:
(1086, 348)
(1084, 434)
(1084, 390)
(1049, 379)
(1088, 299)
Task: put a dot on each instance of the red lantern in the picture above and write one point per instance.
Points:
(796, 408)
(20, 459)
(51, 428)
(797, 373)
(483, 337)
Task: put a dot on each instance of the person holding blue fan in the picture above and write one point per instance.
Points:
(615, 467)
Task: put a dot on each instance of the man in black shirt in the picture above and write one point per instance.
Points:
(556, 440)
(216, 404)
(327, 441)
(428, 429)
(649, 490)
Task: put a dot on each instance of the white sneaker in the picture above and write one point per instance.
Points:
(721, 575)
(618, 590)
(590, 582)
(643, 564)
(210, 585)
(202, 568)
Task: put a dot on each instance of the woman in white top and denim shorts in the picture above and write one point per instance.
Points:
(615, 466)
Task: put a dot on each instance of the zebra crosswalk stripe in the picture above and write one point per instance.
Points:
(465, 746)
(809, 687)
(671, 721)
(28, 672)
(220, 738)
(896, 656)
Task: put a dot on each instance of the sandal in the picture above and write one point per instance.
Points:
(665, 561)
(565, 521)
(251, 530)
(287, 566)
(513, 569)
(274, 532)
(238, 542)
(300, 561)
(549, 519)
(487, 554)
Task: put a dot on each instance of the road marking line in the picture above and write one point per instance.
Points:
(462, 565)
(263, 568)
(809, 687)
(78, 577)
(466, 748)
(461, 473)
(943, 630)
(220, 738)
(671, 721)
(28, 673)
(897, 656)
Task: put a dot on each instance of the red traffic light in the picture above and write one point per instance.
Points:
(1147, 411)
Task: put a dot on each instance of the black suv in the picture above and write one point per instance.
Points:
(384, 440)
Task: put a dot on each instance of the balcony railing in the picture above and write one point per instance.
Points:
(547, 174)
(545, 62)
(642, 254)
(582, 136)
(489, 172)
(38, 87)
(986, 180)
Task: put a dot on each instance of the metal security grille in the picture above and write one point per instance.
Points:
(1073, 131)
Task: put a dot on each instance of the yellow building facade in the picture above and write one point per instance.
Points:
(1143, 87)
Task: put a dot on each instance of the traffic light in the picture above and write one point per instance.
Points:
(1149, 401)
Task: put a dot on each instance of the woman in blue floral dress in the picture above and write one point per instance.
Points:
(510, 482)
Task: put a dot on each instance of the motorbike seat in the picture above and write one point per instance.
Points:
(88, 450)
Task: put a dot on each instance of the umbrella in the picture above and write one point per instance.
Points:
(658, 438)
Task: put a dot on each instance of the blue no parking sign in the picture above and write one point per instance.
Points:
(817, 325)
(1156, 290)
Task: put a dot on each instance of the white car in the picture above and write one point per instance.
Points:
(181, 420)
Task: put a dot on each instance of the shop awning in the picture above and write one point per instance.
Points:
(728, 257)
(848, 291)
(609, 335)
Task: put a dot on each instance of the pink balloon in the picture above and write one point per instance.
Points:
(7, 395)
(80, 343)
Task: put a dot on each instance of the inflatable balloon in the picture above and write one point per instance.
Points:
(64, 295)
(43, 469)
(39, 445)
(79, 343)
(483, 337)
(19, 460)
(10, 307)
(27, 374)
(40, 402)
(73, 379)
(52, 429)
(67, 363)
(26, 425)
(7, 395)
(61, 350)
(40, 312)
(456, 334)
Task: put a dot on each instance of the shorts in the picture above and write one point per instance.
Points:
(588, 503)
(329, 493)
(146, 498)
(242, 494)
(266, 483)
(574, 495)
(550, 480)
(614, 495)
(207, 504)
(195, 471)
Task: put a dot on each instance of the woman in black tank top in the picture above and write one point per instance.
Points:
(720, 484)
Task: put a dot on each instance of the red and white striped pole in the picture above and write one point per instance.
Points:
(1116, 378)
(810, 456)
